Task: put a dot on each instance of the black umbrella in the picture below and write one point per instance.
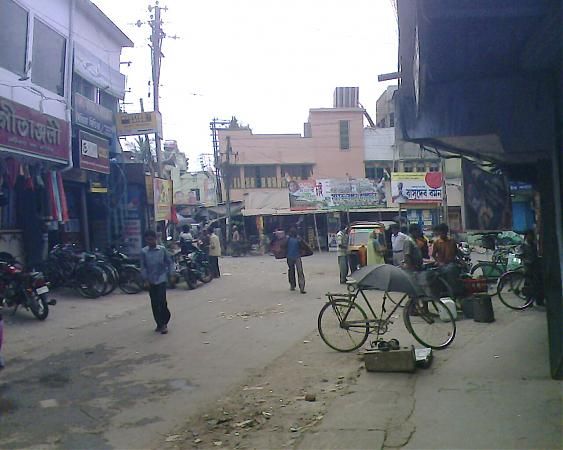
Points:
(385, 277)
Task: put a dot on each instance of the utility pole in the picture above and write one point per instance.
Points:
(214, 126)
(227, 175)
(445, 193)
(156, 57)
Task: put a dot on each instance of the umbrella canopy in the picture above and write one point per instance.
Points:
(385, 277)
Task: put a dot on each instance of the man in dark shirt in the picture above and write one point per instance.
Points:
(293, 245)
(444, 249)
(411, 251)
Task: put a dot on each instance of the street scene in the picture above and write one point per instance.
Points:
(228, 225)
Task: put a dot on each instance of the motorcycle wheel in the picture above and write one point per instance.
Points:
(38, 304)
(206, 277)
(190, 280)
(130, 280)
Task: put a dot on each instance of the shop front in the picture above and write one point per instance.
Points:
(34, 147)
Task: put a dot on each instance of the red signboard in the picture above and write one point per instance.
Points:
(93, 152)
(29, 131)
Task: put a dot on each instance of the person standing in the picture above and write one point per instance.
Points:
(342, 251)
(376, 248)
(411, 252)
(444, 249)
(156, 265)
(397, 243)
(235, 241)
(420, 240)
(295, 247)
(214, 253)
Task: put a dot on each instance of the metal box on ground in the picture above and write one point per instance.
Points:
(401, 360)
(483, 309)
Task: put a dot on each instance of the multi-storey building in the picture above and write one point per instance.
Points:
(59, 87)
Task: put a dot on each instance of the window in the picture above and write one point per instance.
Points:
(300, 172)
(13, 37)
(370, 173)
(196, 194)
(391, 119)
(344, 135)
(260, 177)
(84, 88)
(234, 173)
(108, 101)
(375, 173)
(407, 167)
(433, 168)
(420, 167)
(48, 58)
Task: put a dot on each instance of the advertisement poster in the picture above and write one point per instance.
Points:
(132, 236)
(337, 194)
(416, 187)
(162, 199)
(487, 199)
(94, 153)
(333, 226)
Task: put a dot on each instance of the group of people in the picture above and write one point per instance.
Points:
(409, 248)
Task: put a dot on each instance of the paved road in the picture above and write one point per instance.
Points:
(95, 375)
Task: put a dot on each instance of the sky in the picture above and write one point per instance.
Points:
(267, 62)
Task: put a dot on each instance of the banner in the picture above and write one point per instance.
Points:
(162, 199)
(94, 153)
(337, 194)
(416, 187)
(486, 200)
(89, 114)
(131, 124)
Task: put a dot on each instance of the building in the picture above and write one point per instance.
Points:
(386, 152)
(501, 106)
(56, 119)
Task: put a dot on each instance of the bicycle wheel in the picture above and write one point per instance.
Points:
(112, 277)
(488, 270)
(130, 280)
(430, 322)
(513, 292)
(90, 281)
(343, 337)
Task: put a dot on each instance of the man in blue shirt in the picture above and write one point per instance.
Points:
(156, 265)
(294, 247)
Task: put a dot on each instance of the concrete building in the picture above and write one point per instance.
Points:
(59, 88)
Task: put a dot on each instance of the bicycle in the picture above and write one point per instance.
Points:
(517, 289)
(427, 319)
(503, 259)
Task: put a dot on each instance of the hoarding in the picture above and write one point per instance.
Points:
(416, 187)
(337, 194)
(162, 199)
(89, 114)
(139, 123)
(486, 199)
(94, 153)
(30, 132)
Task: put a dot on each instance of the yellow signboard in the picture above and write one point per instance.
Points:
(162, 199)
(139, 123)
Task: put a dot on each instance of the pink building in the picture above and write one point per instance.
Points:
(332, 146)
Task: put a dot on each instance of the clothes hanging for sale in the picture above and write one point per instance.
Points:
(62, 197)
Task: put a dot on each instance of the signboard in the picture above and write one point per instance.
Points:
(31, 132)
(132, 236)
(337, 194)
(139, 123)
(93, 153)
(486, 199)
(162, 199)
(416, 187)
(89, 114)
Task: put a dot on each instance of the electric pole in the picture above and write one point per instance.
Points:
(156, 58)
(227, 175)
(213, 125)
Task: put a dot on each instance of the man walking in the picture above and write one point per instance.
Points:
(156, 265)
(342, 243)
(214, 253)
(295, 248)
(397, 244)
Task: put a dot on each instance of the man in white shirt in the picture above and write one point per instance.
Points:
(342, 243)
(397, 243)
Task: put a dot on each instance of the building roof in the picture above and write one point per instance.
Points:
(96, 14)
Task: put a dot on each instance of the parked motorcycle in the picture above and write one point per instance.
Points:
(194, 267)
(129, 275)
(19, 287)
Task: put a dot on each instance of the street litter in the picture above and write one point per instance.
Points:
(253, 388)
(174, 438)
(267, 415)
(246, 423)
(306, 342)
(218, 443)
(310, 397)
(49, 403)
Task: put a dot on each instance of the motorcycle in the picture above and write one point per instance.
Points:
(194, 267)
(19, 287)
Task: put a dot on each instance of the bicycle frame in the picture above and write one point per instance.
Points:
(378, 322)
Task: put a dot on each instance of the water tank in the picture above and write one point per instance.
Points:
(346, 97)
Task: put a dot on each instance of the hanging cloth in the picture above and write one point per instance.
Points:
(62, 198)
(12, 172)
(51, 196)
(58, 212)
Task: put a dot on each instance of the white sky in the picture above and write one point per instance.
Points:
(264, 61)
